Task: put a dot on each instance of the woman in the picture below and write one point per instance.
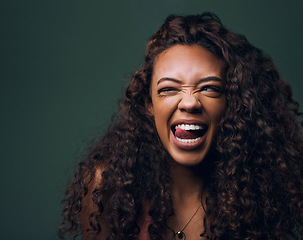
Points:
(206, 145)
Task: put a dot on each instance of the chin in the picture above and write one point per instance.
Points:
(188, 159)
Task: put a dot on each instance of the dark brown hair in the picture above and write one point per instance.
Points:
(255, 186)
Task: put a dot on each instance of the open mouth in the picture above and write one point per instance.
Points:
(189, 133)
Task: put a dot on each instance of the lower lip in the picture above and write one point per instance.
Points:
(188, 146)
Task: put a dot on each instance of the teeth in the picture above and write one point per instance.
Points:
(189, 127)
(188, 140)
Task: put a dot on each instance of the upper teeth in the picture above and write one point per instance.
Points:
(189, 127)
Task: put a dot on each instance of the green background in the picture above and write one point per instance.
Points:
(62, 67)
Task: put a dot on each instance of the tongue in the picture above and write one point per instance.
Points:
(188, 134)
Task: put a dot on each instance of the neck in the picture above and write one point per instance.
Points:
(187, 185)
(188, 182)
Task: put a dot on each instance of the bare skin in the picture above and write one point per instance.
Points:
(186, 201)
(187, 92)
(187, 88)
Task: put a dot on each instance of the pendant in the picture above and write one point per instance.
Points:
(179, 235)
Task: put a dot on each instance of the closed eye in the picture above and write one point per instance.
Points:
(166, 91)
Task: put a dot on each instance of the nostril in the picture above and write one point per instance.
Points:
(191, 104)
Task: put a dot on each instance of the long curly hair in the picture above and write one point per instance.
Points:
(255, 183)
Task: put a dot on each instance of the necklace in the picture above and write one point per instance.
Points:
(180, 234)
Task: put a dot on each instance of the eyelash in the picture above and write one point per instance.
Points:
(212, 87)
(166, 89)
(204, 88)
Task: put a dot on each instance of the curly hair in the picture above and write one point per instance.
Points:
(255, 183)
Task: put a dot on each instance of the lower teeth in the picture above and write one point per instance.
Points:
(188, 140)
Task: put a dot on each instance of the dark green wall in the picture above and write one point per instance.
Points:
(61, 68)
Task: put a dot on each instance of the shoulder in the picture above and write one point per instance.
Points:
(90, 213)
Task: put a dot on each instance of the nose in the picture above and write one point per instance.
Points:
(190, 103)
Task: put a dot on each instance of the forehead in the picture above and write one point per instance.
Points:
(183, 61)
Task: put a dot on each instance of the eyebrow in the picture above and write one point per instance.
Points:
(206, 79)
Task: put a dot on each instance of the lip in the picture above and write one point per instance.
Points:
(188, 146)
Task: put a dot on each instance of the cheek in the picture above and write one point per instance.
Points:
(221, 109)
(161, 114)
(158, 113)
(216, 109)
(163, 109)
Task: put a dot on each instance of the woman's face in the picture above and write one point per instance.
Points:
(188, 101)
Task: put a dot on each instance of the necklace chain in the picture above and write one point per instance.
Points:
(180, 234)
